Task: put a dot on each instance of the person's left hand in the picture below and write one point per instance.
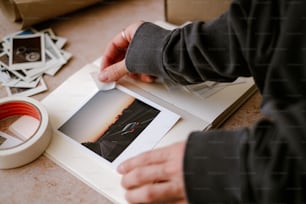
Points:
(155, 176)
(113, 65)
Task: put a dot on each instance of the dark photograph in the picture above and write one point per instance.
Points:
(2, 140)
(1, 47)
(109, 123)
(27, 49)
(4, 59)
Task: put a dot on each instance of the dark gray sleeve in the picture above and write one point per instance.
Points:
(265, 163)
(212, 166)
(262, 164)
(195, 53)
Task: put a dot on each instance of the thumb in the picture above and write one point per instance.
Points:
(113, 72)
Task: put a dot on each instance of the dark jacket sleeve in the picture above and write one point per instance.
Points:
(194, 53)
(264, 163)
(212, 166)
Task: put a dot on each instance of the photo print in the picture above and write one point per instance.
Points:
(20, 89)
(25, 57)
(4, 75)
(109, 122)
(2, 140)
(1, 47)
(27, 51)
(8, 141)
(4, 59)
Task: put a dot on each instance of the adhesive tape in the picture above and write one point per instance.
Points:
(33, 147)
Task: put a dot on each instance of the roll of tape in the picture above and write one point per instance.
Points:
(33, 147)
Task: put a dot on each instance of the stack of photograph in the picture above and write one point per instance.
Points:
(26, 56)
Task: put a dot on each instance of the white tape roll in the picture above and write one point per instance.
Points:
(33, 147)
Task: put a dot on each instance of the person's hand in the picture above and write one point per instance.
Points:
(155, 176)
(113, 64)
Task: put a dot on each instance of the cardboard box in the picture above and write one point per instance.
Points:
(180, 11)
(29, 12)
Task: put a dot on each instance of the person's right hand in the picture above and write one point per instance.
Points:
(113, 65)
(155, 176)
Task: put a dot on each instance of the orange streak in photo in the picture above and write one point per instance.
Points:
(113, 120)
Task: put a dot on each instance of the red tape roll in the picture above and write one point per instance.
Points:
(14, 108)
(33, 147)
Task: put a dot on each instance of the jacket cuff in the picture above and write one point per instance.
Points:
(144, 54)
(212, 166)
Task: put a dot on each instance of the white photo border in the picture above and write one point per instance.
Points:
(146, 140)
(25, 65)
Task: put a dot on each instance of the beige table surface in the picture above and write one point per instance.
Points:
(88, 32)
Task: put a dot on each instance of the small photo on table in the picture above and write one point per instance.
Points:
(27, 51)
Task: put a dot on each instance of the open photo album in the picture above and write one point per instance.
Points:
(95, 130)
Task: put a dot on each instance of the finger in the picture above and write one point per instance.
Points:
(146, 78)
(184, 201)
(115, 51)
(148, 158)
(113, 72)
(153, 157)
(157, 193)
(133, 75)
(150, 174)
(143, 77)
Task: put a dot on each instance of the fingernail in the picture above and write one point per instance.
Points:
(103, 77)
(120, 169)
(148, 79)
